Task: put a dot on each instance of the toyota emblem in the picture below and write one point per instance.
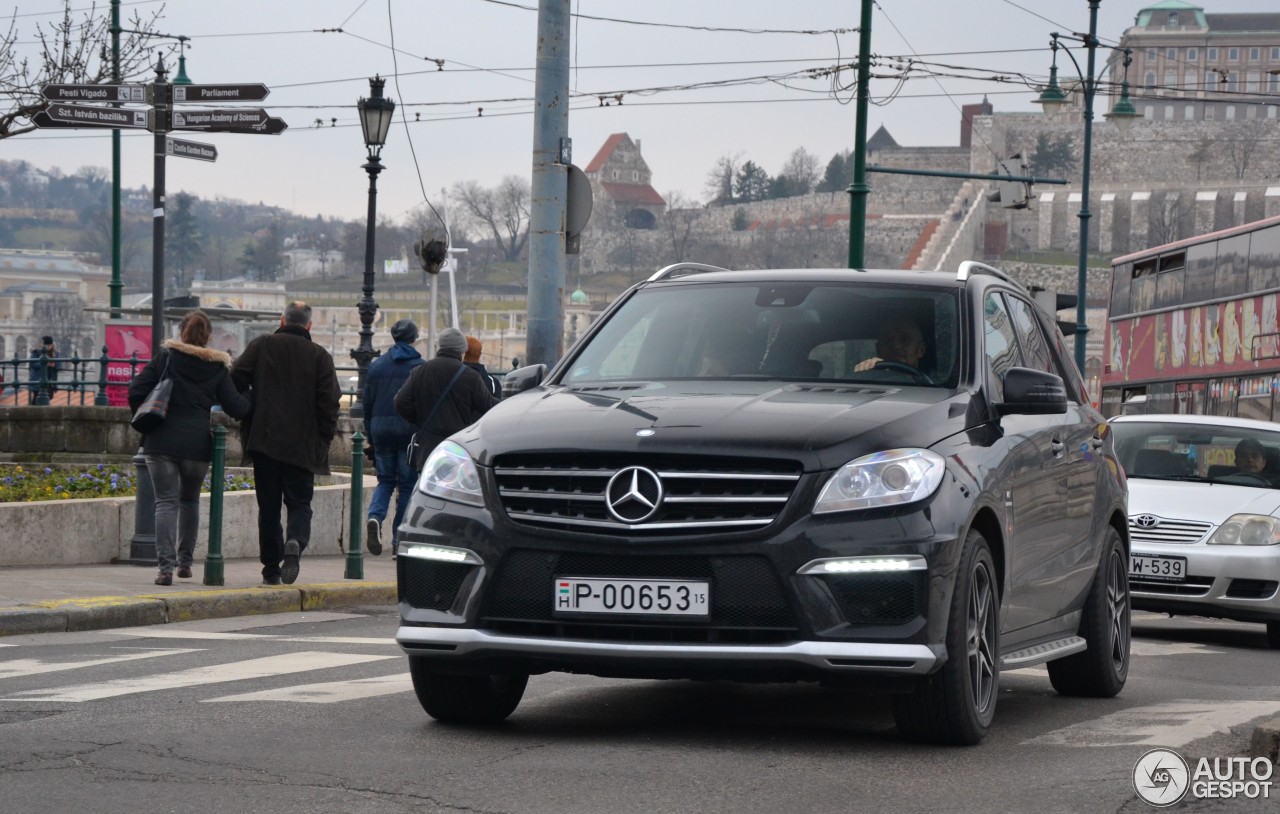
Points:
(1146, 521)
(633, 494)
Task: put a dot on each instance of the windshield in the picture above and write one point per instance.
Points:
(900, 335)
(1198, 452)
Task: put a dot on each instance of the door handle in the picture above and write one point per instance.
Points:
(1058, 448)
(1096, 441)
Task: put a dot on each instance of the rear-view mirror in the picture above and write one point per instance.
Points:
(522, 379)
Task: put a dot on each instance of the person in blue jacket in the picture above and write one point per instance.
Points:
(389, 434)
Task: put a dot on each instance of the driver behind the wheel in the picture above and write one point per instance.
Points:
(1251, 459)
(900, 341)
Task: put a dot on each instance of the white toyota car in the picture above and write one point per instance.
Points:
(1204, 515)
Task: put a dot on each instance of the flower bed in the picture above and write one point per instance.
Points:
(24, 484)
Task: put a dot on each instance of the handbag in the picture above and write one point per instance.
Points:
(412, 449)
(151, 413)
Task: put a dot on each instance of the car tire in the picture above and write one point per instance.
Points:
(955, 705)
(465, 699)
(1273, 634)
(1101, 670)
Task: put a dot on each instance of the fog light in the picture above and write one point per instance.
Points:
(439, 553)
(864, 565)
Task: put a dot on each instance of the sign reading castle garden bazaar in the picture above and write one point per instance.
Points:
(190, 149)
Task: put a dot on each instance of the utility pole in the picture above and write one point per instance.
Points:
(116, 285)
(859, 190)
(550, 185)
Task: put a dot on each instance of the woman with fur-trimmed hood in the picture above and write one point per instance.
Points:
(178, 452)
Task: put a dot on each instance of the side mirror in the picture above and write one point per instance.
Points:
(1032, 392)
(522, 379)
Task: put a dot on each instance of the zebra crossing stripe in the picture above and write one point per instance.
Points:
(1172, 724)
(267, 667)
(329, 692)
(29, 667)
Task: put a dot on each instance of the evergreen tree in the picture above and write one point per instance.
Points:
(751, 182)
(838, 176)
(183, 242)
(1052, 157)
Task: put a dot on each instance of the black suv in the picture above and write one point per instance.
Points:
(891, 478)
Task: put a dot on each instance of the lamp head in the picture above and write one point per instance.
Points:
(375, 116)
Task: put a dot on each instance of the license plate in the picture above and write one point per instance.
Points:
(663, 597)
(1165, 569)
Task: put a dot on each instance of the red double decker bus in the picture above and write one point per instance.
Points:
(1194, 326)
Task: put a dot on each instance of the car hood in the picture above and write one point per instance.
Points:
(820, 426)
(1204, 502)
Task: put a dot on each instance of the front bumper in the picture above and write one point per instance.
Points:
(1229, 582)
(821, 656)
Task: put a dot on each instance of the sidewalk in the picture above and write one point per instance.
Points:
(92, 597)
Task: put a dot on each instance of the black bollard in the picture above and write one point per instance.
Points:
(142, 546)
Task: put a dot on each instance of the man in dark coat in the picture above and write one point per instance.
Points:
(295, 416)
(442, 396)
(389, 434)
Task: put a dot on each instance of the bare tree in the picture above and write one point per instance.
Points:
(1166, 218)
(72, 50)
(1244, 144)
(1203, 151)
(719, 186)
(681, 219)
(803, 169)
(503, 212)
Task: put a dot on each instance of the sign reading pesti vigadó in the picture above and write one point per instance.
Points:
(94, 93)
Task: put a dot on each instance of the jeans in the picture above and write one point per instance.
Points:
(176, 484)
(275, 482)
(394, 474)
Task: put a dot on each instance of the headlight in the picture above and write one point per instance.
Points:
(449, 473)
(1247, 529)
(882, 479)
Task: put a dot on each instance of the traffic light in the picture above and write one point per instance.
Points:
(1052, 302)
(1008, 193)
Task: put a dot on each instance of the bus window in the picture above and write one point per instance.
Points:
(1231, 276)
(1264, 259)
(1169, 280)
(1201, 261)
(1143, 287)
(1120, 290)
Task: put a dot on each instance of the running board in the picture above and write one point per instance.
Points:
(1041, 653)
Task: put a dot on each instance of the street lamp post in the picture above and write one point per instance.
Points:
(375, 121)
(1052, 99)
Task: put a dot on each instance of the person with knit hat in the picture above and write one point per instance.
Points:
(472, 360)
(442, 396)
(387, 434)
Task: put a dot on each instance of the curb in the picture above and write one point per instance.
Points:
(98, 613)
(1266, 741)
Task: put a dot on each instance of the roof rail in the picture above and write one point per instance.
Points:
(681, 269)
(970, 267)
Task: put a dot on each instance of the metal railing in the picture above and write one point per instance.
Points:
(101, 382)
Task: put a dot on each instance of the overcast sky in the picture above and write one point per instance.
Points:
(747, 56)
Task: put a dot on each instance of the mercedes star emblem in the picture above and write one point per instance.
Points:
(633, 494)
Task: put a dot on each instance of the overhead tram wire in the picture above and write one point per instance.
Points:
(448, 238)
(715, 29)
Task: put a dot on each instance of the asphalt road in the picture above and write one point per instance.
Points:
(314, 713)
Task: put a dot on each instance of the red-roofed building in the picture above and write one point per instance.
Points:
(620, 186)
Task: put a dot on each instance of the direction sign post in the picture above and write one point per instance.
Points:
(228, 120)
(95, 93)
(252, 92)
(190, 149)
(91, 116)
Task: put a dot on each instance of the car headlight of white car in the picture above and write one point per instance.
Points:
(450, 473)
(886, 478)
(1248, 529)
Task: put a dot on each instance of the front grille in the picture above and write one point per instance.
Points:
(699, 494)
(1167, 531)
(878, 599)
(1251, 588)
(429, 584)
(747, 601)
(1194, 586)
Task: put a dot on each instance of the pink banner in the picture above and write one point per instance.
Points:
(123, 340)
